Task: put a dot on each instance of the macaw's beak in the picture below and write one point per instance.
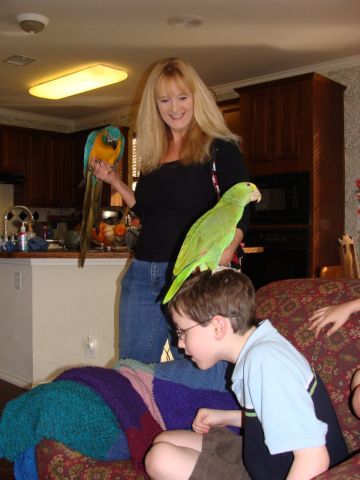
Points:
(111, 141)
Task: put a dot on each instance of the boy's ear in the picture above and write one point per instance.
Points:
(220, 325)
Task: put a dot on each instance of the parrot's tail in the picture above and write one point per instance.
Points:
(178, 281)
(91, 215)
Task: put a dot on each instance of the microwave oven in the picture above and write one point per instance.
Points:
(285, 199)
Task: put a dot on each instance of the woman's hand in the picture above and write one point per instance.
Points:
(103, 171)
(337, 315)
(228, 253)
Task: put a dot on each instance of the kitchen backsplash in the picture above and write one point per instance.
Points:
(7, 201)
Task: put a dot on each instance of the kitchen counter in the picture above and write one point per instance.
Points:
(52, 310)
(123, 252)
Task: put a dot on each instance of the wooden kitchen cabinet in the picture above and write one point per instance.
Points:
(291, 126)
(36, 185)
(45, 172)
(281, 122)
(58, 170)
(231, 113)
(267, 119)
(53, 171)
(53, 167)
(15, 145)
(270, 126)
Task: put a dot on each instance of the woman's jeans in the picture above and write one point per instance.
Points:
(145, 323)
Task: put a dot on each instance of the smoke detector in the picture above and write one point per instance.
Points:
(32, 22)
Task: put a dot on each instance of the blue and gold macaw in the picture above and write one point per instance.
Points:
(106, 145)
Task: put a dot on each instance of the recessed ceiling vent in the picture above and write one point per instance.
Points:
(185, 21)
(19, 60)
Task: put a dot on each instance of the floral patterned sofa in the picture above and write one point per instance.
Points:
(288, 303)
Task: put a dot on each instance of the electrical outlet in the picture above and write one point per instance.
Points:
(90, 346)
(17, 281)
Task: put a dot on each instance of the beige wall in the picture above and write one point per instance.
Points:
(350, 77)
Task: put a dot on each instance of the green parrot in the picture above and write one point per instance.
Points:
(211, 234)
(106, 145)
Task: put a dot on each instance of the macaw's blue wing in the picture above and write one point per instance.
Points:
(106, 145)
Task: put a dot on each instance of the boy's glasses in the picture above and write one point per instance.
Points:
(180, 332)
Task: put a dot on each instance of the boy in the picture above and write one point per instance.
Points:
(290, 429)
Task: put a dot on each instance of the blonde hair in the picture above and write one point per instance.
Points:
(153, 135)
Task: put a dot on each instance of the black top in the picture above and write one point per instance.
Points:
(170, 199)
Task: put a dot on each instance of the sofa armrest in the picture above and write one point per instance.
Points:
(346, 470)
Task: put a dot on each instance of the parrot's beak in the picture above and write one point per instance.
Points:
(255, 196)
(113, 144)
(111, 141)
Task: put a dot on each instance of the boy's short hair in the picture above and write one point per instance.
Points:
(228, 293)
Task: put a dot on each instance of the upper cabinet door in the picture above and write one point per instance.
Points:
(231, 113)
(270, 125)
(260, 140)
(286, 121)
(15, 146)
(36, 181)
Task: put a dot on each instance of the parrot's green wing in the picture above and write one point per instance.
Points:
(204, 245)
(212, 229)
(211, 234)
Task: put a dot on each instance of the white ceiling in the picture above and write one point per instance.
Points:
(239, 40)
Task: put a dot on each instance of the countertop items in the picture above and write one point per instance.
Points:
(123, 252)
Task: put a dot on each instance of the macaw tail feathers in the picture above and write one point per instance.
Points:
(91, 215)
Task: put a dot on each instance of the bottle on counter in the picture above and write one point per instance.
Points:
(45, 232)
(31, 233)
(23, 239)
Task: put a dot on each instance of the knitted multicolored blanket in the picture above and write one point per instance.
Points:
(112, 414)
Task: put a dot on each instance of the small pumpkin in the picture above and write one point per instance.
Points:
(120, 230)
(109, 234)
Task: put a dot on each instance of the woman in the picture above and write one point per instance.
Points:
(179, 131)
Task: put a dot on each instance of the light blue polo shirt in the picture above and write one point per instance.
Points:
(274, 382)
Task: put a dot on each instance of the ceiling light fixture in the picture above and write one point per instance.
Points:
(32, 22)
(78, 82)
